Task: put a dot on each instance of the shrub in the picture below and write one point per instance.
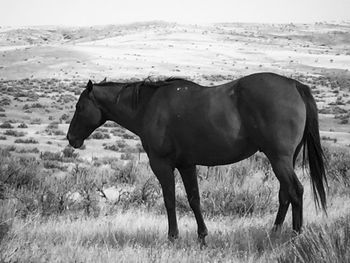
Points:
(5, 101)
(22, 126)
(14, 133)
(51, 156)
(118, 131)
(64, 117)
(111, 124)
(6, 125)
(53, 164)
(146, 193)
(35, 121)
(119, 146)
(128, 136)
(52, 129)
(100, 136)
(19, 172)
(52, 126)
(127, 156)
(68, 152)
(126, 174)
(84, 183)
(112, 147)
(27, 141)
(28, 150)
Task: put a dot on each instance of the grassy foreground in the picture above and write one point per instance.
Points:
(139, 236)
(239, 204)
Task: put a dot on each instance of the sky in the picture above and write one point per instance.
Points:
(99, 12)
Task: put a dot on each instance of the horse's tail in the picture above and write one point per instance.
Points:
(311, 141)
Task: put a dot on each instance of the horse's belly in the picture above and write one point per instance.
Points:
(214, 150)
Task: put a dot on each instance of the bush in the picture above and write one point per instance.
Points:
(128, 136)
(51, 156)
(22, 126)
(14, 133)
(34, 105)
(27, 141)
(111, 124)
(19, 172)
(146, 193)
(52, 129)
(100, 136)
(28, 150)
(35, 121)
(84, 183)
(125, 175)
(68, 152)
(119, 146)
(127, 156)
(52, 126)
(6, 125)
(65, 117)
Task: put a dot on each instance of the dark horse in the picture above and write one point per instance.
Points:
(182, 124)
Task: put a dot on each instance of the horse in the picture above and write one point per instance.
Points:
(182, 124)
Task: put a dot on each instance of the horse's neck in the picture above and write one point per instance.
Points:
(120, 109)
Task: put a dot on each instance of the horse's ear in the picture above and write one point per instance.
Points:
(89, 85)
(103, 81)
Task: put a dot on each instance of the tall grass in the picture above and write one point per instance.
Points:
(239, 203)
(321, 243)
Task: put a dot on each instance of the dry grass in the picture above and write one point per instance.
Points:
(140, 236)
(239, 204)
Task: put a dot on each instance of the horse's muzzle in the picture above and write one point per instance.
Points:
(75, 143)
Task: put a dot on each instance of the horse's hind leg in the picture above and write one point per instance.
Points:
(291, 191)
(189, 178)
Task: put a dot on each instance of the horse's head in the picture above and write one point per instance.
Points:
(87, 117)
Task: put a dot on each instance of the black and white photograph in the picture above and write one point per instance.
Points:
(175, 131)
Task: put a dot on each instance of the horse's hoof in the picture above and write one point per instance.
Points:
(172, 238)
(276, 230)
(202, 243)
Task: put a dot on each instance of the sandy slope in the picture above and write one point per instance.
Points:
(171, 49)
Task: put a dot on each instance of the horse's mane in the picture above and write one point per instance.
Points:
(147, 82)
(136, 86)
(161, 83)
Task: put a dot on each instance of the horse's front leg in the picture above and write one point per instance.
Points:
(164, 171)
(189, 178)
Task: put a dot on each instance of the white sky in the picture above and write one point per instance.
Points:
(94, 12)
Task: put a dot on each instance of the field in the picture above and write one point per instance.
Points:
(102, 203)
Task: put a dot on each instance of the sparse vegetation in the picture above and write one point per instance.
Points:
(237, 201)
